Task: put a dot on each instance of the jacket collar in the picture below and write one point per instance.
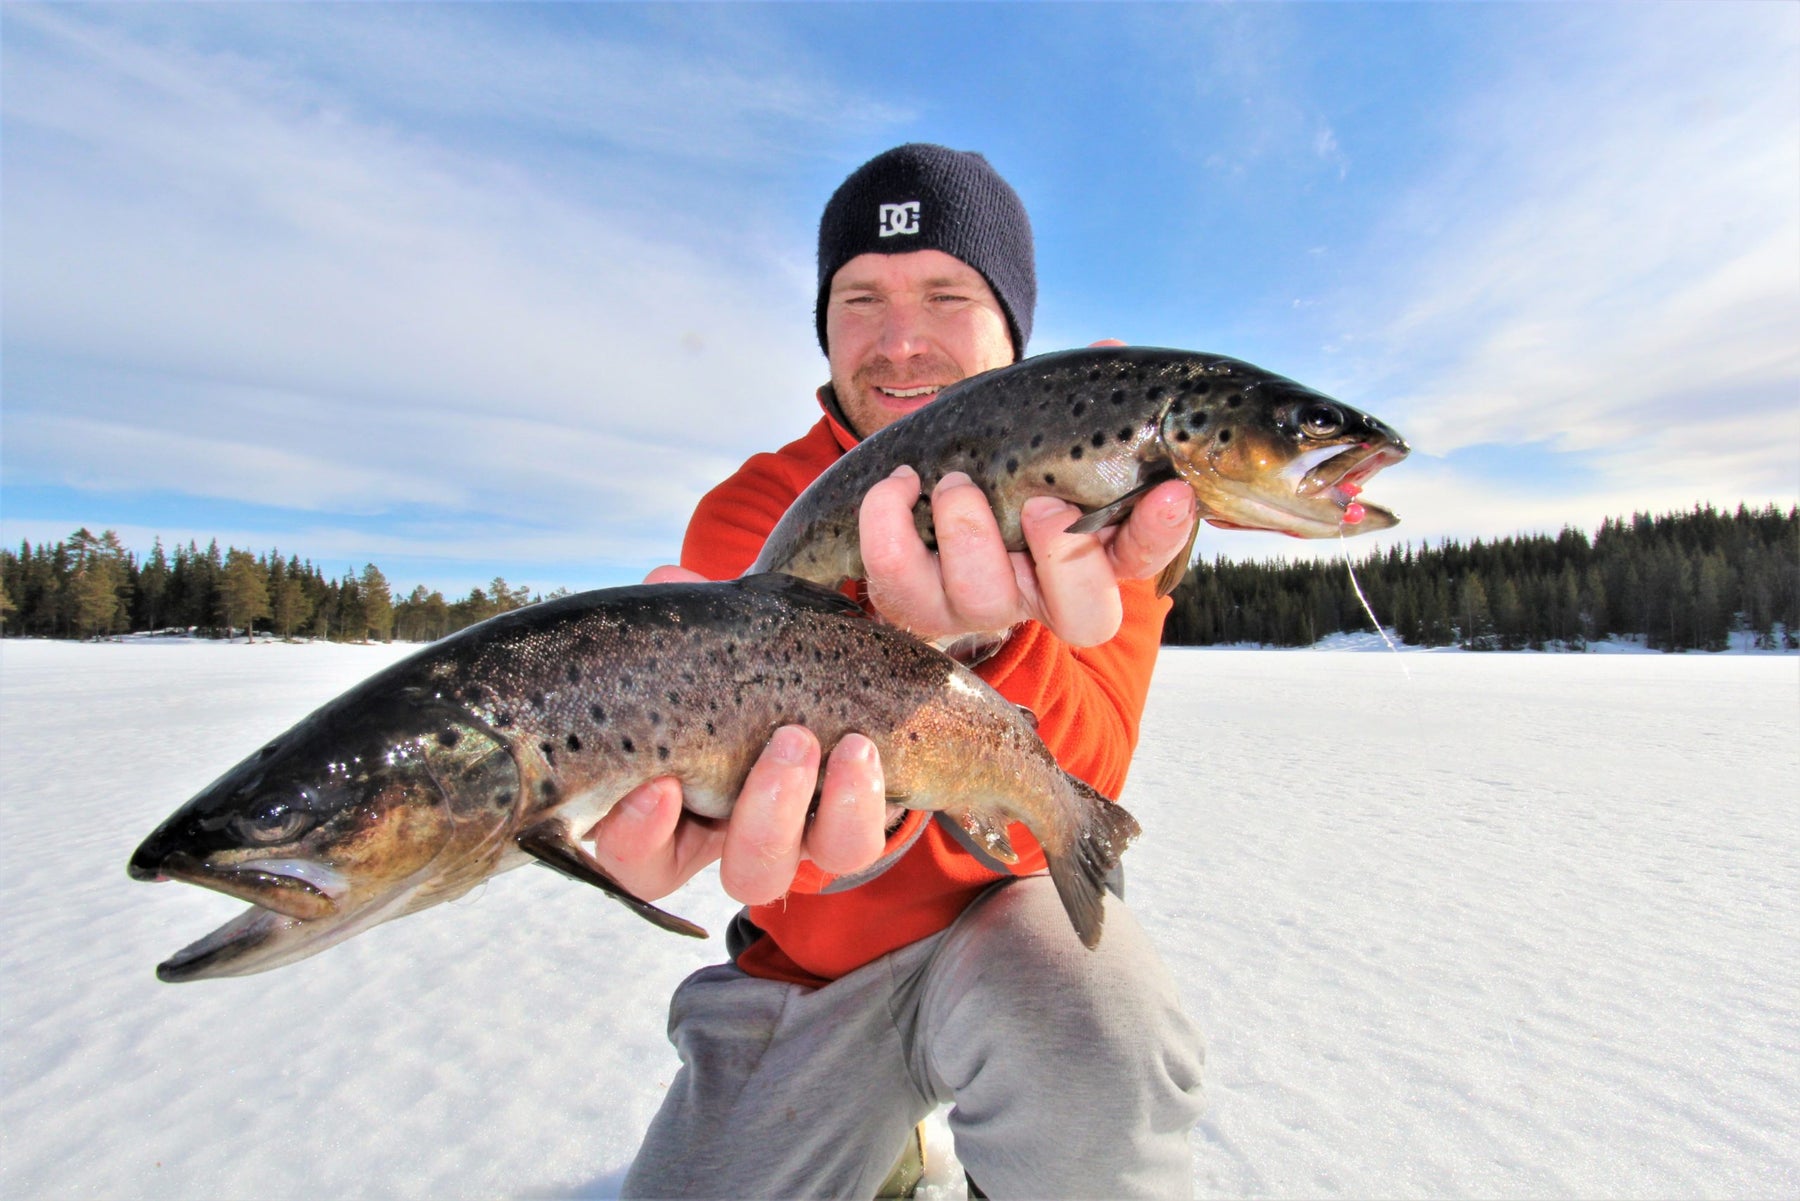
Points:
(834, 417)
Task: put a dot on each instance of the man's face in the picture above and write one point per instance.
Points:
(902, 326)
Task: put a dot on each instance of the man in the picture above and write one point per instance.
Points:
(881, 972)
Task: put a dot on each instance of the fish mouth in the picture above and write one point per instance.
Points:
(1315, 495)
(261, 938)
(1338, 473)
(303, 889)
(228, 951)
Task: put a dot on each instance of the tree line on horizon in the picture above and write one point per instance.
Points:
(89, 586)
(1675, 582)
(1680, 581)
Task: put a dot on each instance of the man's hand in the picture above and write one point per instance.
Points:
(973, 585)
(649, 844)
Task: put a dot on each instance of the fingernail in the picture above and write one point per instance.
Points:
(638, 804)
(788, 745)
(1042, 506)
(858, 748)
(902, 470)
(954, 479)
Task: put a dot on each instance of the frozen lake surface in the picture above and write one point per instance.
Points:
(1454, 924)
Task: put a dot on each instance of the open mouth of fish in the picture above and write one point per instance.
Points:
(299, 888)
(293, 904)
(1316, 494)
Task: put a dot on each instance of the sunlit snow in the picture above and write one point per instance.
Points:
(1454, 924)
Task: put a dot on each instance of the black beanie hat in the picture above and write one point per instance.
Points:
(925, 197)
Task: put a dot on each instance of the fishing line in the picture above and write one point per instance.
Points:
(1357, 588)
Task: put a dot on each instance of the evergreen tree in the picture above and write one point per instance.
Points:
(378, 603)
(243, 592)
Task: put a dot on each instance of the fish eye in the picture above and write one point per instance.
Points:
(271, 822)
(1322, 420)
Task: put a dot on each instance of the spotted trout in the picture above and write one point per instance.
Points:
(1099, 428)
(504, 743)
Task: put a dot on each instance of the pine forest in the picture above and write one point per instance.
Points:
(1680, 581)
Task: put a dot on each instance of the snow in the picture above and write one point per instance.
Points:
(1454, 924)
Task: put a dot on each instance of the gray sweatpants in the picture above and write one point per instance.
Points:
(1073, 1073)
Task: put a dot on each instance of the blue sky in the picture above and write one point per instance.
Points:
(478, 290)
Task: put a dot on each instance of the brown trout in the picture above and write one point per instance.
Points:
(507, 741)
(1099, 428)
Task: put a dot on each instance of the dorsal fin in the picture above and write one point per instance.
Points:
(797, 591)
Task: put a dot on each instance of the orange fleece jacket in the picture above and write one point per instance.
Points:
(1087, 702)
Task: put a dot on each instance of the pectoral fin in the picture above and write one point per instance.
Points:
(1113, 514)
(988, 832)
(549, 843)
(1177, 567)
(1118, 511)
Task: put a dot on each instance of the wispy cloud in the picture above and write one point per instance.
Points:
(299, 302)
(1610, 266)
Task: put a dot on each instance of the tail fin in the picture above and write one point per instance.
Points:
(1102, 832)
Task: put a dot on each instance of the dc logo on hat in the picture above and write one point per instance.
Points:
(899, 219)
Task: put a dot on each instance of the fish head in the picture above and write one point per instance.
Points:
(1265, 453)
(335, 826)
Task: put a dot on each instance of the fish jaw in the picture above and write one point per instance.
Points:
(325, 844)
(296, 888)
(1277, 482)
(259, 939)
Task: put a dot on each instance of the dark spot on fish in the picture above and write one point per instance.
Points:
(662, 752)
(1093, 374)
(1012, 465)
(1224, 436)
(710, 728)
(574, 674)
(1234, 400)
(625, 680)
(1049, 479)
(655, 718)
(1075, 452)
(598, 714)
(573, 742)
(1125, 434)
(502, 800)
(1181, 435)
(446, 738)
(1197, 421)
(547, 789)
(537, 700)
(1155, 392)
(1118, 396)
(503, 719)
(1202, 387)
(1078, 407)
(1037, 440)
(912, 736)
(630, 746)
(549, 752)
(1099, 439)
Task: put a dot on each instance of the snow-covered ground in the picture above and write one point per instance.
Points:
(1495, 925)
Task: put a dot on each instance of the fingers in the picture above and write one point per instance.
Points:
(969, 586)
(1078, 591)
(637, 843)
(1157, 531)
(849, 830)
(904, 584)
(671, 574)
(768, 825)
